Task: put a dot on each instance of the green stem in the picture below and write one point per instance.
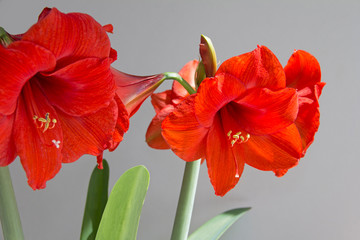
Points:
(9, 215)
(186, 201)
(178, 78)
(188, 187)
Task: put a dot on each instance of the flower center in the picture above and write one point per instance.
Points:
(45, 122)
(239, 137)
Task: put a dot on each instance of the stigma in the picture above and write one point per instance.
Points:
(239, 137)
(45, 122)
(56, 143)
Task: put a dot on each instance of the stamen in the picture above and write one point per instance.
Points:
(44, 122)
(247, 138)
(53, 123)
(229, 133)
(238, 137)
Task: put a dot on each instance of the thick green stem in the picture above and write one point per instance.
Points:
(188, 187)
(9, 215)
(186, 201)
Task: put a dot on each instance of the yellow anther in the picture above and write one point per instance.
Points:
(45, 122)
(238, 137)
(229, 133)
(247, 137)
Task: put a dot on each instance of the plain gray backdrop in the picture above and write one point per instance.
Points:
(318, 199)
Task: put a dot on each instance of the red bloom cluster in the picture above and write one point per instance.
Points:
(252, 111)
(59, 96)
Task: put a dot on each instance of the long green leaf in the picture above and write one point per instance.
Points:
(122, 212)
(215, 227)
(97, 197)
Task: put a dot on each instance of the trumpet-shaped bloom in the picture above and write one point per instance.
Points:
(252, 111)
(58, 96)
(165, 102)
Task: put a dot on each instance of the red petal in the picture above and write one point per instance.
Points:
(82, 87)
(153, 134)
(308, 117)
(18, 63)
(39, 147)
(262, 111)
(108, 28)
(89, 134)
(302, 70)
(280, 150)
(161, 100)
(113, 54)
(188, 74)
(122, 125)
(44, 13)
(213, 94)
(303, 73)
(133, 90)
(74, 35)
(183, 133)
(7, 147)
(259, 68)
(224, 167)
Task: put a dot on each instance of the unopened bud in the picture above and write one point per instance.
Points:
(208, 56)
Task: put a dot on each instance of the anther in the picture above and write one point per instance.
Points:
(229, 133)
(53, 124)
(44, 122)
(238, 137)
(247, 138)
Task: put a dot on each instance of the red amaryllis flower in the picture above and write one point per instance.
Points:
(164, 103)
(303, 73)
(58, 95)
(249, 112)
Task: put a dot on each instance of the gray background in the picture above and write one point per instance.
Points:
(319, 199)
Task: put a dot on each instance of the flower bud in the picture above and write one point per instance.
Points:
(208, 56)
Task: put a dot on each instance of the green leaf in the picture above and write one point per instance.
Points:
(215, 227)
(96, 199)
(122, 213)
